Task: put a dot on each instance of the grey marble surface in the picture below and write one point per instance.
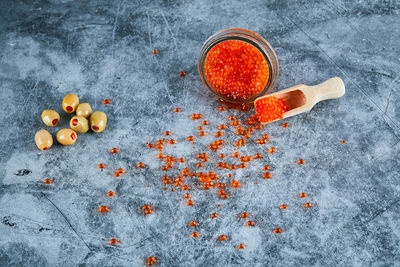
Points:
(102, 49)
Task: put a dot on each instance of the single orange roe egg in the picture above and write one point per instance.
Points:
(214, 215)
(106, 101)
(235, 183)
(244, 215)
(308, 205)
(182, 73)
(101, 166)
(236, 70)
(269, 109)
(111, 194)
(222, 238)
(301, 161)
(103, 209)
(267, 175)
(302, 195)
(272, 150)
(177, 110)
(140, 165)
(285, 125)
(114, 150)
(194, 234)
(155, 52)
(193, 223)
(241, 246)
(150, 261)
(283, 206)
(277, 230)
(250, 223)
(113, 241)
(47, 181)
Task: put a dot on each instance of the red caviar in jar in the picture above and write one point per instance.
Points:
(47, 181)
(236, 70)
(104, 209)
(277, 230)
(150, 261)
(113, 241)
(269, 109)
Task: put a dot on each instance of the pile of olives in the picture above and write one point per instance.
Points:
(77, 124)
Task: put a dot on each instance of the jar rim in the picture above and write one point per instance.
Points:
(249, 37)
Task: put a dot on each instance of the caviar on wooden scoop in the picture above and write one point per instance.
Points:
(50, 117)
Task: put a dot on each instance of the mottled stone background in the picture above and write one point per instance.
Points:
(102, 49)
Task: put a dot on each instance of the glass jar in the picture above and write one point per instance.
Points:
(250, 38)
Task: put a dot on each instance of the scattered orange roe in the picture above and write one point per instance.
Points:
(167, 133)
(257, 156)
(181, 160)
(241, 246)
(266, 167)
(200, 128)
(155, 52)
(150, 261)
(302, 195)
(308, 205)
(114, 150)
(113, 241)
(111, 194)
(269, 109)
(219, 134)
(285, 125)
(194, 234)
(277, 230)
(244, 215)
(205, 122)
(147, 209)
(272, 150)
(222, 194)
(101, 166)
(140, 165)
(106, 101)
(104, 209)
(182, 73)
(221, 108)
(343, 141)
(177, 110)
(187, 195)
(160, 155)
(235, 123)
(283, 206)
(193, 223)
(222, 127)
(47, 181)
(250, 223)
(202, 133)
(195, 116)
(235, 184)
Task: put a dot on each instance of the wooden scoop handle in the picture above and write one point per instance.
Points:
(332, 88)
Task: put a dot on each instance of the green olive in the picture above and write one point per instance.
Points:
(66, 137)
(79, 124)
(43, 140)
(50, 117)
(70, 103)
(98, 121)
(84, 110)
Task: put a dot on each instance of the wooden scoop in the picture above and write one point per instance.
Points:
(302, 98)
